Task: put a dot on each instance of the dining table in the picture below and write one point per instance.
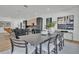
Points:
(38, 39)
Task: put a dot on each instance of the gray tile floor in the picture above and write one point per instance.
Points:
(69, 48)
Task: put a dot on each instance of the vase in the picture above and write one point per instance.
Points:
(51, 30)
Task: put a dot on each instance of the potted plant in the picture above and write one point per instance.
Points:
(51, 28)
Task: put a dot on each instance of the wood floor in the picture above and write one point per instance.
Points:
(4, 44)
(73, 42)
(4, 41)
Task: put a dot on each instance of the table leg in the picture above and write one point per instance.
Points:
(40, 48)
(72, 36)
(36, 50)
(48, 47)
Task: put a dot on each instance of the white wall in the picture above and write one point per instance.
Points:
(3, 19)
(14, 22)
(74, 12)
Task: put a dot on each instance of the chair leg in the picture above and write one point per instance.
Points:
(62, 45)
(12, 49)
(56, 50)
(53, 50)
(63, 42)
(26, 48)
(59, 47)
(12, 46)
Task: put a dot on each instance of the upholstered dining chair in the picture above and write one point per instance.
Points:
(17, 42)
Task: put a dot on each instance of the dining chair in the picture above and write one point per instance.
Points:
(53, 44)
(61, 37)
(49, 45)
(17, 42)
(60, 41)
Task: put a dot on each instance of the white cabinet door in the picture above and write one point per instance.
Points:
(68, 36)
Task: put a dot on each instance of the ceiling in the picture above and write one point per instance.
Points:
(19, 11)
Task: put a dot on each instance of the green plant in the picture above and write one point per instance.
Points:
(52, 24)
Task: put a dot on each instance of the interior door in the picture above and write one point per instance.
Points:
(39, 22)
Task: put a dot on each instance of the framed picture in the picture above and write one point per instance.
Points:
(66, 22)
